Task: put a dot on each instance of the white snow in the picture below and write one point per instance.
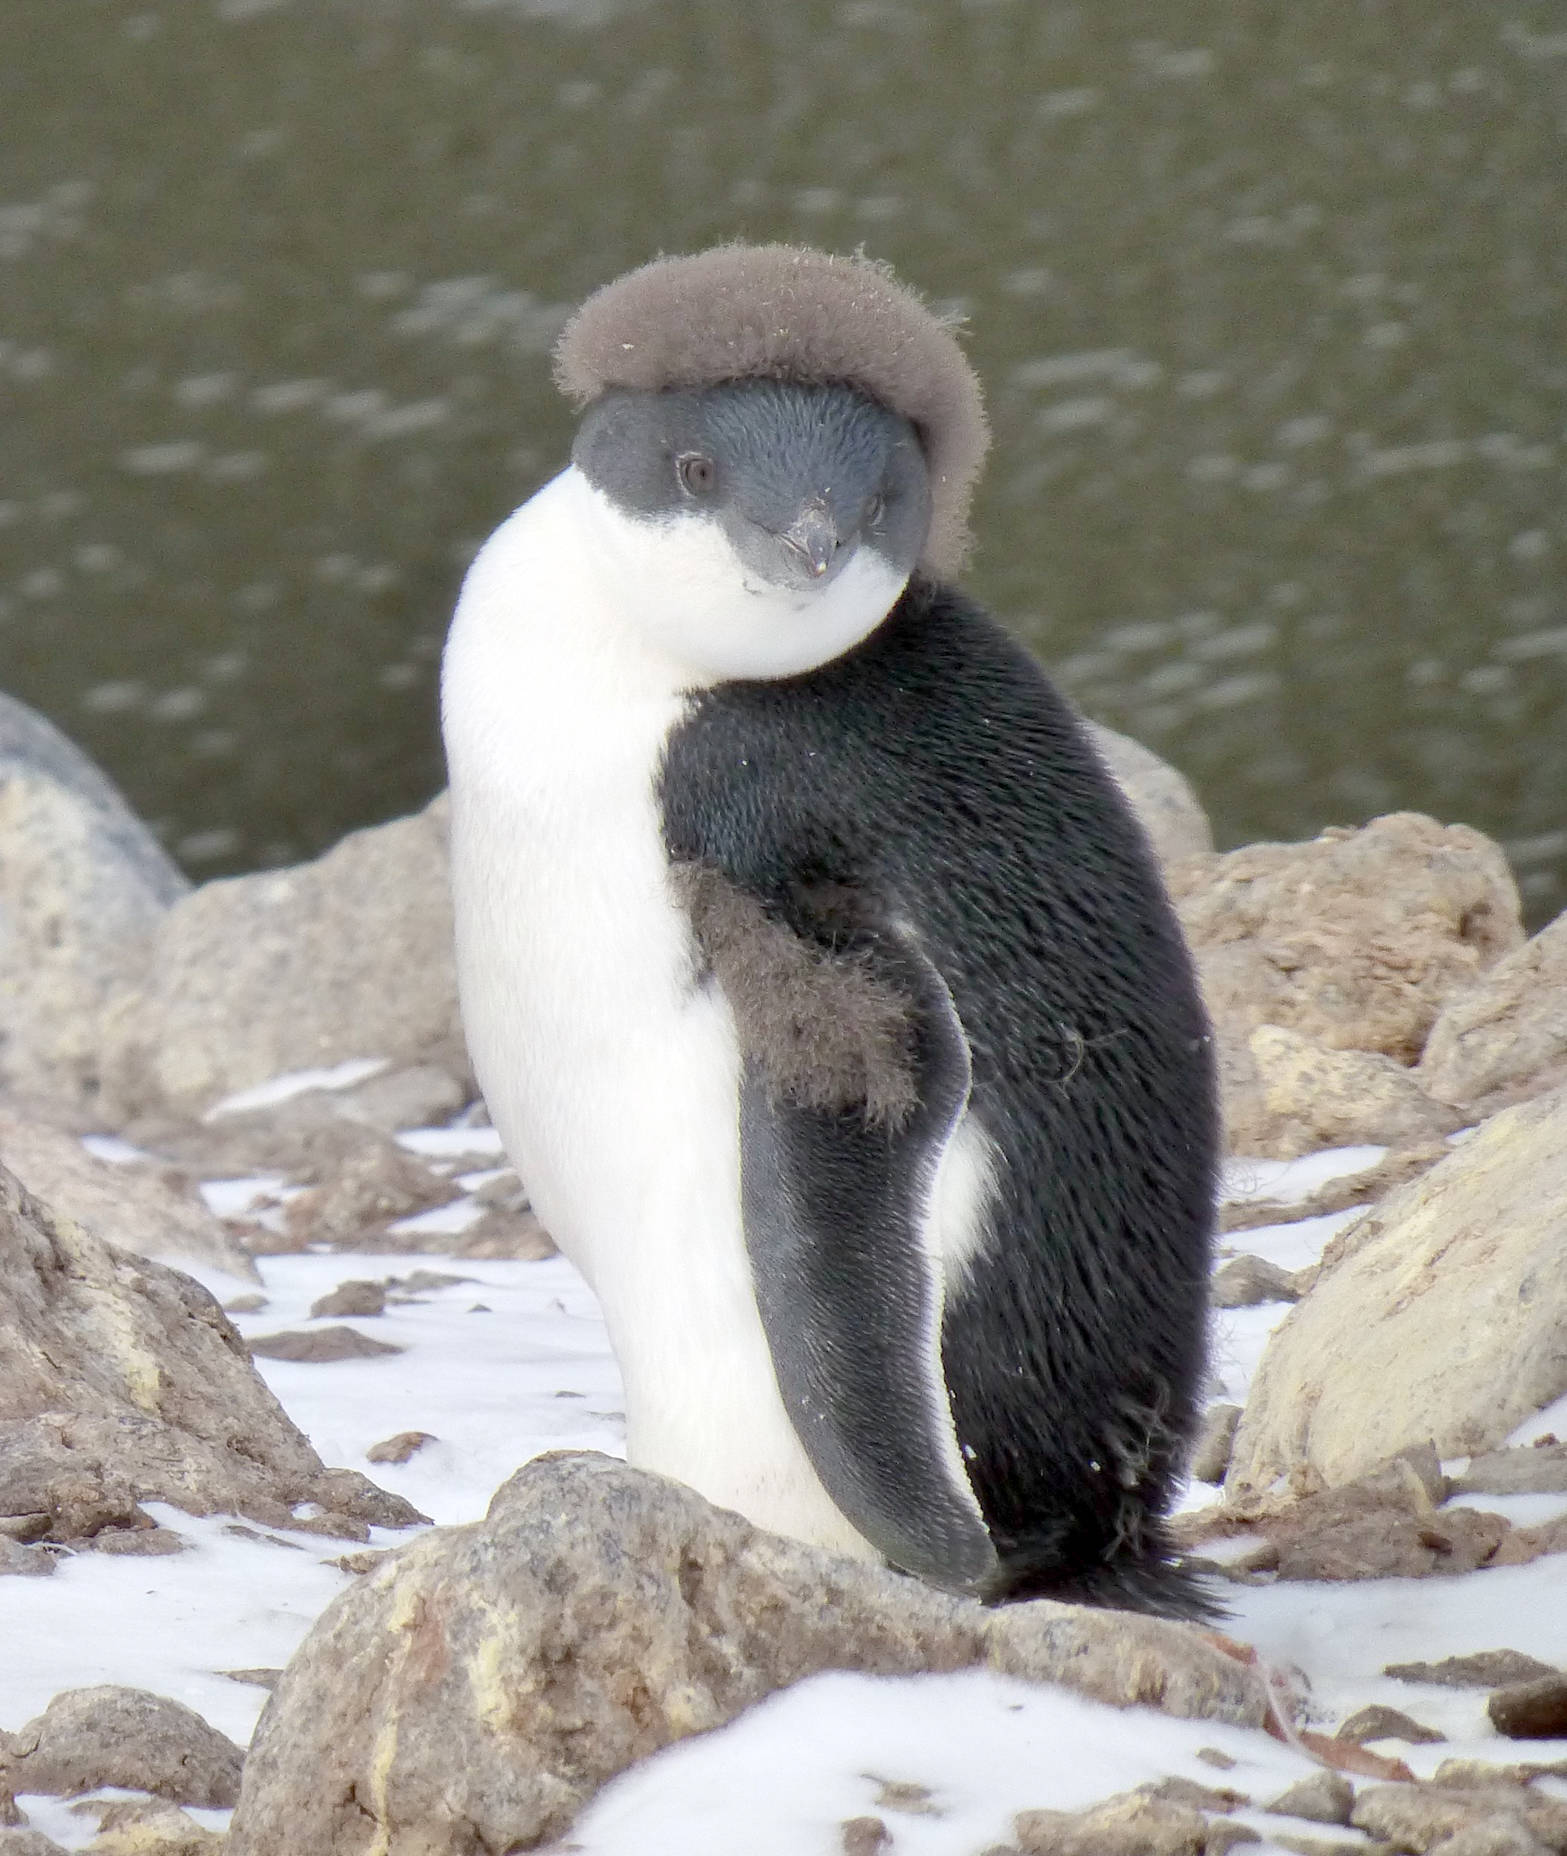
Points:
(295, 1083)
(511, 1359)
(451, 1143)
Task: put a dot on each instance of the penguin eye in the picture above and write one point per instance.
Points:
(697, 473)
(875, 509)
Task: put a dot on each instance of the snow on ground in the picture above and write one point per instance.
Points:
(512, 1359)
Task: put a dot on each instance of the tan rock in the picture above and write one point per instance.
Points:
(476, 1688)
(1440, 1314)
(1356, 940)
(254, 977)
(1299, 1096)
(138, 1206)
(1506, 1039)
(122, 1381)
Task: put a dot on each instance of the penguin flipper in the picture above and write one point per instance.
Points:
(836, 1197)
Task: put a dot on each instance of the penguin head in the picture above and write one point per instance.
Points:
(773, 439)
(754, 527)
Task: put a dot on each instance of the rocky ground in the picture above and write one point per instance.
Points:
(262, 1084)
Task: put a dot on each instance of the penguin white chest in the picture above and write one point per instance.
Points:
(611, 1072)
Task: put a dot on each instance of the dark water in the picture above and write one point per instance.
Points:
(1271, 303)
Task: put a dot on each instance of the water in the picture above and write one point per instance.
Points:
(1271, 305)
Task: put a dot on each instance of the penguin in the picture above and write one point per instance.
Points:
(818, 977)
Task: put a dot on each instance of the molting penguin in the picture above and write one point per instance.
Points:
(818, 978)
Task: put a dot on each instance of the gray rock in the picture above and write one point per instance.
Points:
(1247, 1282)
(1539, 1469)
(320, 1346)
(122, 1381)
(255, 977)
(1211, 1451)
(1322, 1798)
(25, 1842)
(1505, 1039)
(22, 1562)
(89, 1737)
(1164, 800)
(476, 1688)
(1130, 1825)
(353, 1297)
(1440, 1314)
(1483, 1669)
(1534, 1710)
(83, 887)
(137, 1206)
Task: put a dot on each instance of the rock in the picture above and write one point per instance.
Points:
(29, 1843)
(1485, 1669)
(1321, 1798)
(1355, 940)
(83, 888)
(1379, 1722)
(1384, 1525)
(1531, 1543)
(421, 1096)
(1505, 1039)
(254, 977)
(1307, 1096)
(475, 1688)
(353, 1297)
(135, 1205)
(1211, 1452)
(400, 1448)
(863, 1836)
(373, 1186)
(1165, 802)
(24, 1562)
(1130, 1825)
(1441, 1313)
(320, 1345)
(1247, 1281)
(1535, 1710)
(122, 1381)
(131, 1828)
(1532, 1470)
(1420, 1817)
(1396, 1168)
(88, 1737)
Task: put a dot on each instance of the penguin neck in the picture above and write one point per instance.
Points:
(670, 598)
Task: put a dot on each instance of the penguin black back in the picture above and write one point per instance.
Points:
(935, 768)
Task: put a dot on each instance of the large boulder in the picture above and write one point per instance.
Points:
(1356, 939)
(122, 1381)
(139, 1206)
(252, 977)
(1352, 943)
(1506, 1039)
(83, 887)
(1440, 1314)
(475, 1689)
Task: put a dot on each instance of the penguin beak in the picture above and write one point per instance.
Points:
(813, 539)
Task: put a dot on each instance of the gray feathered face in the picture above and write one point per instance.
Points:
(800, 479)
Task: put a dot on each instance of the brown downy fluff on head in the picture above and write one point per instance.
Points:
(785, 312)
